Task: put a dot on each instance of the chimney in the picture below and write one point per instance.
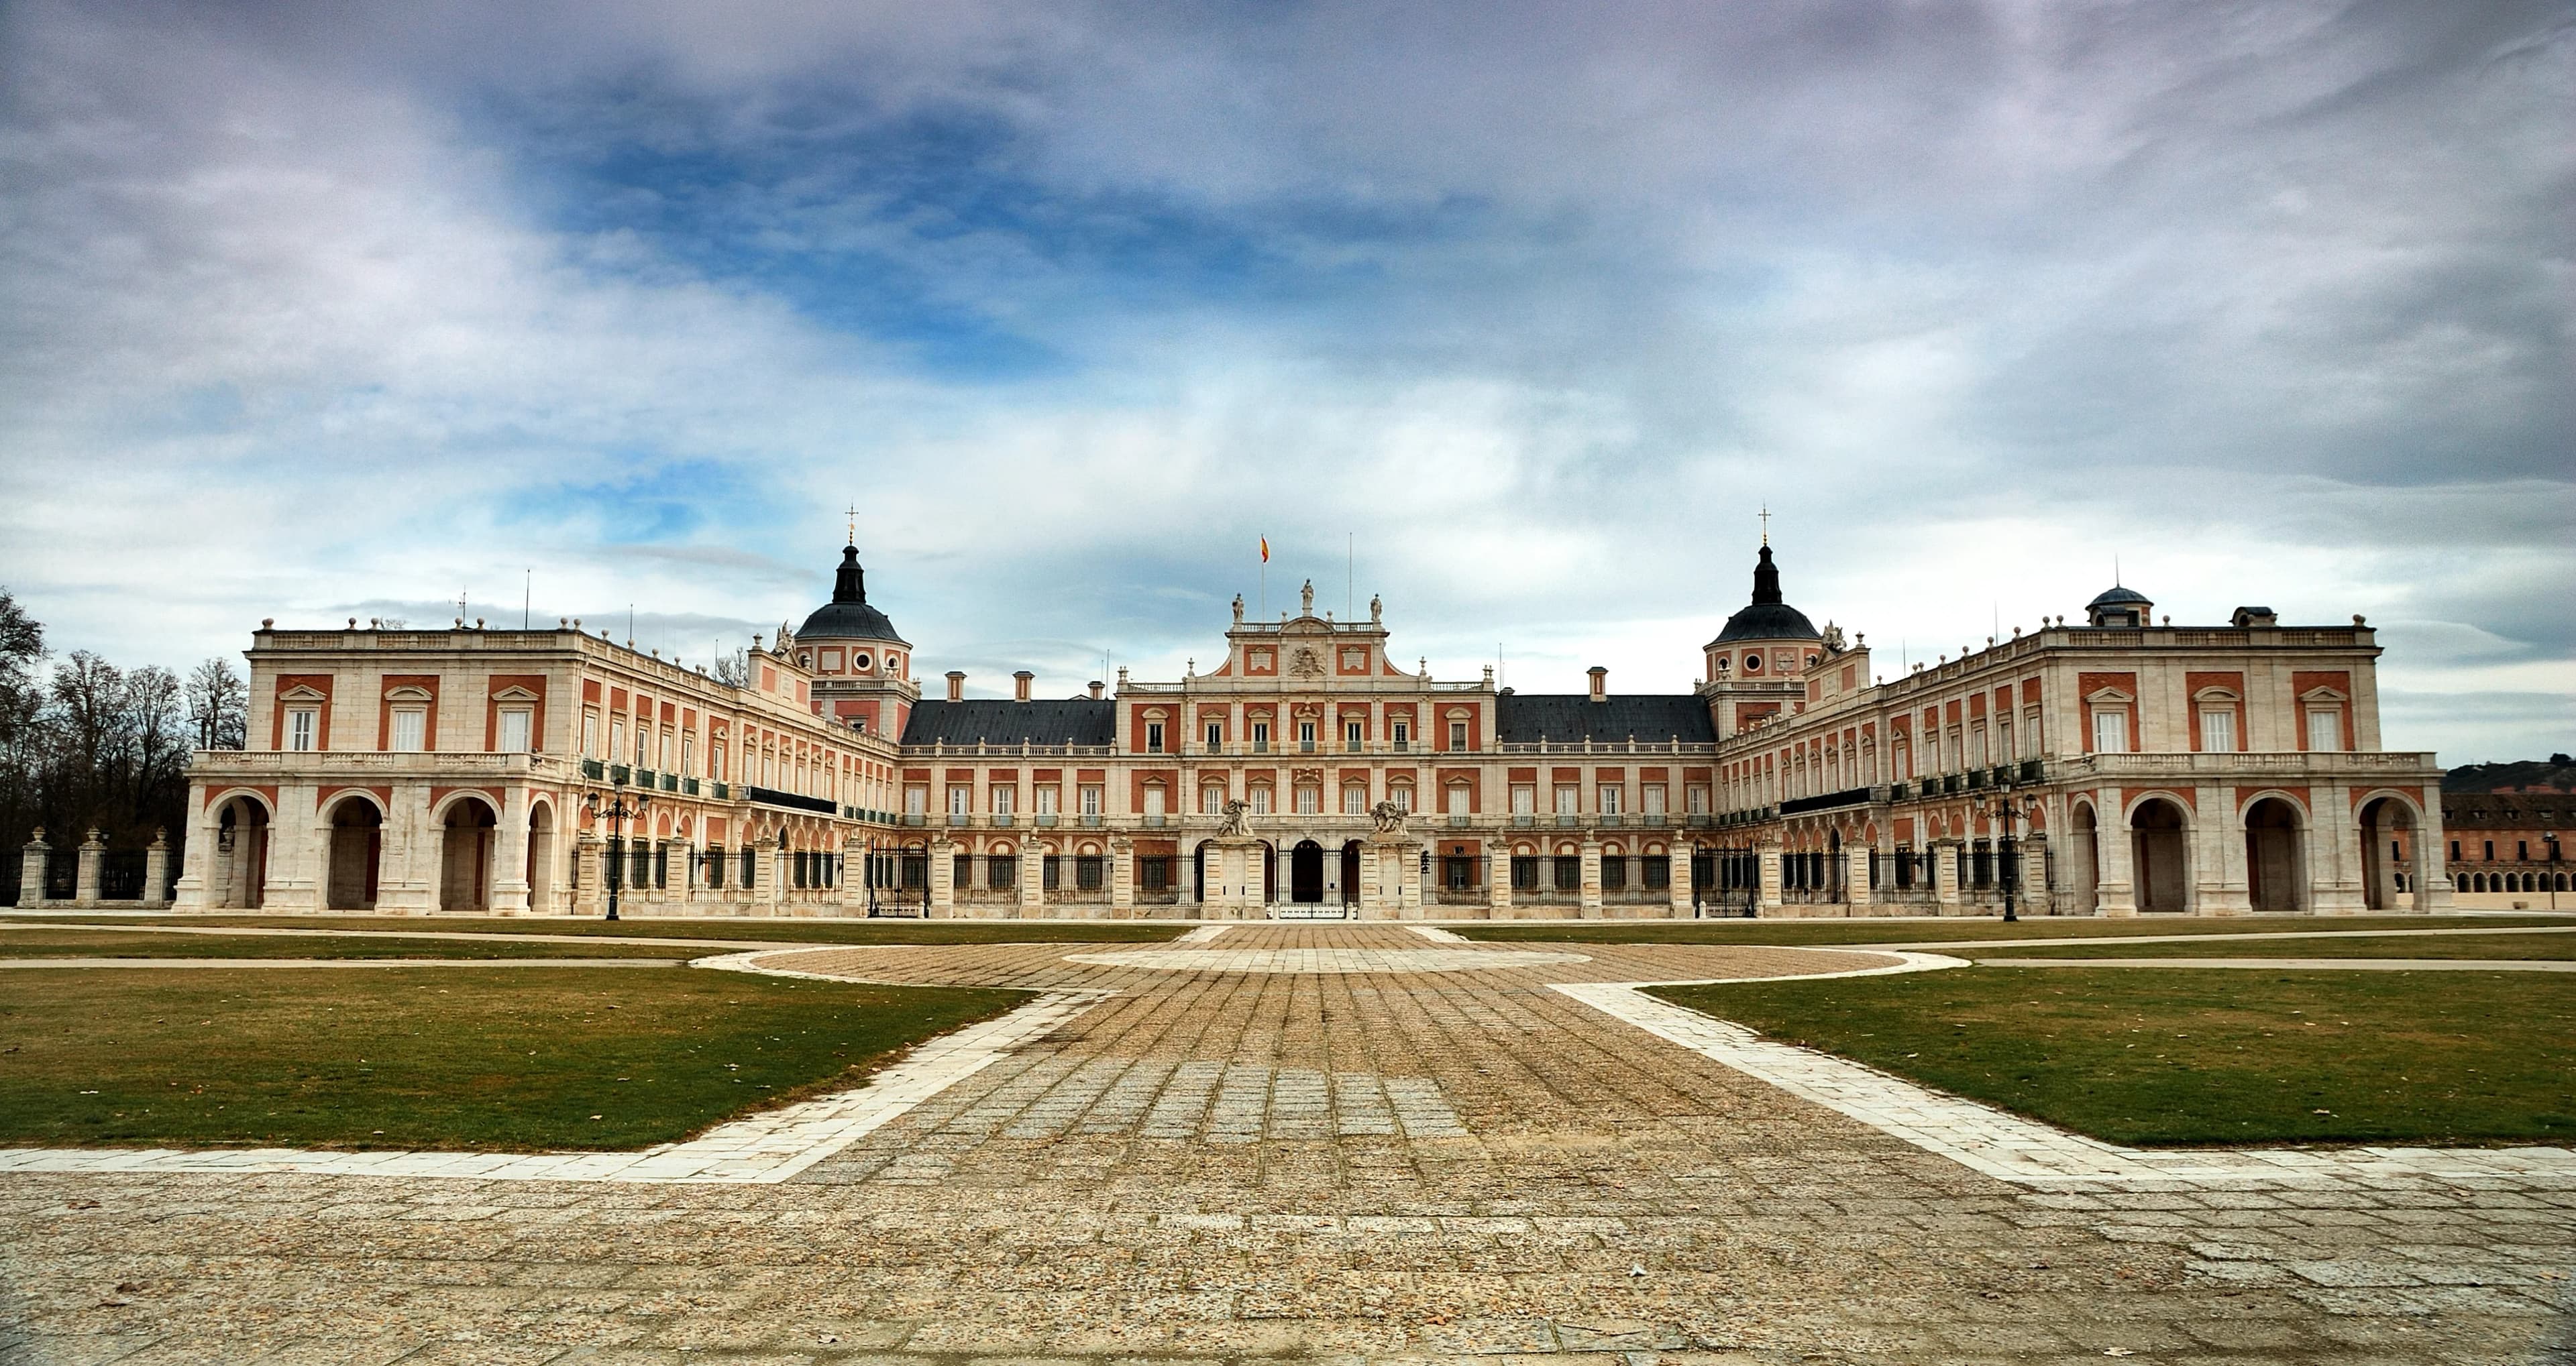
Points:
(1020, 685)
(1600, 683)
(956, 685)
(1096, 686)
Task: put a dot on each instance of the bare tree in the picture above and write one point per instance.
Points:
(733, 667)
(218, 703)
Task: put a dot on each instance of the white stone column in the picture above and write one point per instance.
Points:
(1677, 862)
(1590, 906)
(1122, 876)
(2334, 865)
(156, 868)
(1856, 888)
(509, 855)
(1498, 880)
(1945, 874)
(588, 893)
(2036, 897)
(1767, 866)
(1032, 880)
(93, 858)
(2116, 890)
(294, 852)
(2221, 886)
(407, 855)
(196, 845)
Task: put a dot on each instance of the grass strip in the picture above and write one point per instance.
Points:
(2205, 1056)
(855, 930)
(1963, 930)
(44, 943)
(447, 1058)
(2548, 947)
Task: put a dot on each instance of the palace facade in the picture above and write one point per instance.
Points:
(2114, 766)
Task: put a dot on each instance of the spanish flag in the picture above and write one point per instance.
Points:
(1265, 550)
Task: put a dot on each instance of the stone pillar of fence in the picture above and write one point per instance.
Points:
(31, 873)
(156, 871)
(93, 860)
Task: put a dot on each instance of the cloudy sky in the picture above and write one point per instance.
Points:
(1513, 315)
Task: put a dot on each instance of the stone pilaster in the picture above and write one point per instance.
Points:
(1768, 867)
(156, 870)
(1856, 888)
(93, 859)
(31, 874)
(1590, 906)
(1498, 879)
(1122, 876)
(510, 855)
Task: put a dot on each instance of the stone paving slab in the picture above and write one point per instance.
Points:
(1226, 1167)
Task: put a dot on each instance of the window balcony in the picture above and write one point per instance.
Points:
(1566, 820)
(1613, 818)
(721, 791)
(1261, 747)
(593, 769)
(620, 774)
(1091, 818)
(1524, 819)
(915, 818)
(1004, 820)
(688, 787)
(1459, 822)
(1305, 746)
(1046, 819)
(1154, 820)
(1403, 747)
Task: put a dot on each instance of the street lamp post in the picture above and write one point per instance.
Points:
(617, 810)
(2006, 810)
(2550, 838)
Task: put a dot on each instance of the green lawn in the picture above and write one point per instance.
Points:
(449, 1058)
(2196, 1056)
(2558, 947)
(1930, 929)
(71, 943)
(795, 931)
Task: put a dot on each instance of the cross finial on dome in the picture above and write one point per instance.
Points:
(1766, 524)
(854, 524)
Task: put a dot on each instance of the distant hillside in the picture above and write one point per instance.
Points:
(2556, 771)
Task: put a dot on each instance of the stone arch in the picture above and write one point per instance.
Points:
(2160, 853)
(239, 822)
(2276, 865)
(2396, 865)
(469, 835)
(354, 843)
(541, 854)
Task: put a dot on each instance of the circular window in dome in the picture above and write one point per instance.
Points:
(859, 660)
(1753, 664)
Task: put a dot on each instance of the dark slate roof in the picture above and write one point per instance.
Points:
(1767, 617)
(1526, 718)
(847, 616)
(1074, 721)
(2116, 596)
(1770, 621)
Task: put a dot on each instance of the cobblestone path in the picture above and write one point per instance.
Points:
(1325, 1164)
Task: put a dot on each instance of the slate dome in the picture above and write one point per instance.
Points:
(1768, 618)
(847, 616)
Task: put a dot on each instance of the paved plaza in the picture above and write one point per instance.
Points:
(1316, 1143)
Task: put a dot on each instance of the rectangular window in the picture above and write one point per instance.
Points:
(590, 735)
(514, 731)
(1977, 747)
(1355, 801)
(1458, 800)
(616, 742)
(1457, 735)
(1091, 803)
(2325, 729)
(2110, 732)
(1402, 796)
(1524, 801)
(302, 724)
(1609, 798)
(1260, 801)
(1524, 873)
(1046, 803)
(1402, 736)
(1568, 800)
(1153, 737)
(2218, 730)
(1658, 873)
(1354, 736)
(2490, 851)
(1002, 872)
(689, 753)
(716, 765)
(1261, 737)
(408, 725)
(1699, 801)
(1614, 873)
(1215, 736)
(1154, 805)
(960, 800)
(1305, 737)
(1310, 801)
(1004, 799)
(1569, 873)
(1087, 873)
(1654, 796)
(1154, 873)
(916, 800)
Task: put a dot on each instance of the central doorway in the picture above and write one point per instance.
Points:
(1306, 873)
